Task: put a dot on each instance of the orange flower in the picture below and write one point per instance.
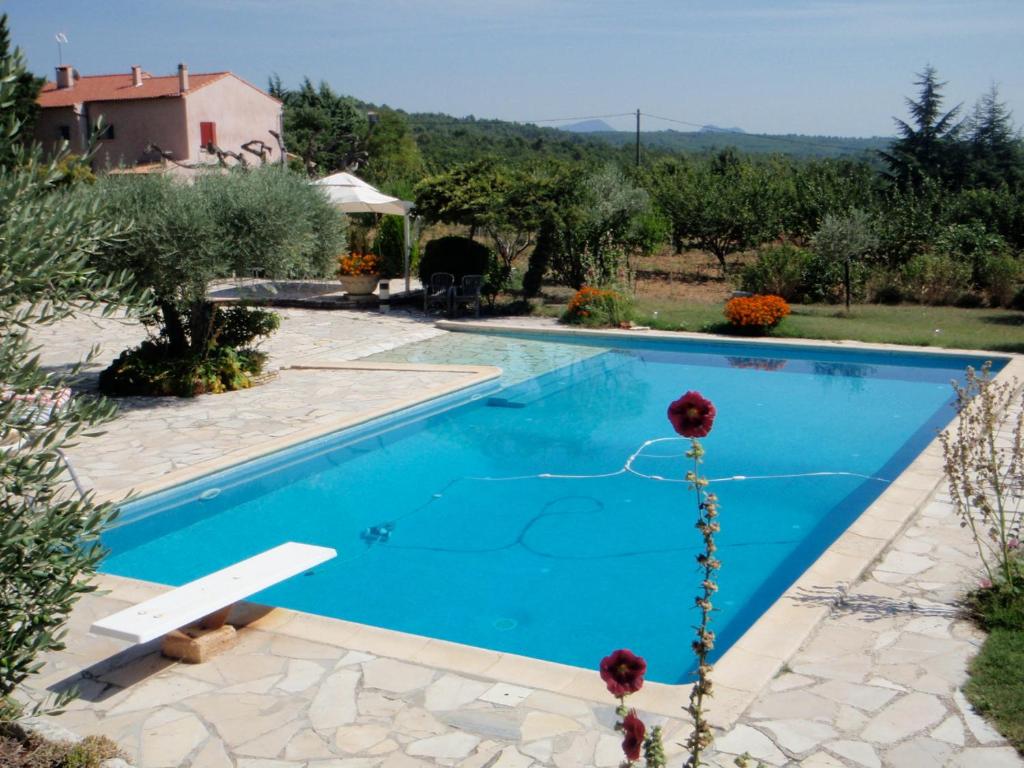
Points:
(588, 299)
(756, 311)
(359, 264)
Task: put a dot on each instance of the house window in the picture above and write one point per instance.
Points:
(107, 134)
(207, 134)
(64, 132)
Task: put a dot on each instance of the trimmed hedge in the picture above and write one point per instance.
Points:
(458, 255)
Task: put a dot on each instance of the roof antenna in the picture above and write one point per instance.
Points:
(61, 39)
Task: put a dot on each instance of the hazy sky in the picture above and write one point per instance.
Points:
(837, 68)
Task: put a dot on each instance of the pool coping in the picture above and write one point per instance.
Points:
(739, 675)
(552, 329)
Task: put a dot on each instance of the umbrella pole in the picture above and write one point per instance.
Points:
(406, 237)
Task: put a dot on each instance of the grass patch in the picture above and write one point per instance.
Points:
(996, 675)
(996, 684)
(999, 330)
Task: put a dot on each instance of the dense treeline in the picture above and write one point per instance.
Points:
(710, 142)
(936, 216)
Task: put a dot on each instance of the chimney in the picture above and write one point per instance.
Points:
(136, 76)
(65, 76)
(183, 78)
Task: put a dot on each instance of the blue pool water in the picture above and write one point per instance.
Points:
(505, 520)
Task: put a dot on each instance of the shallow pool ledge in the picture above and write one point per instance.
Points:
(474, 376)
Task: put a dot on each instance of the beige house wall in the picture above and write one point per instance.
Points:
(47, 129)
(137, 124)
(242, 113)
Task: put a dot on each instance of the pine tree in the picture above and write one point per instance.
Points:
(20, 97)
(929, 146)
(996, 154)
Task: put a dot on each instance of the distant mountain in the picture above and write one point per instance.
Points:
(587, 126)
(717, 129)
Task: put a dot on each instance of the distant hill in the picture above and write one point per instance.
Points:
(716, 129)
(445, 141)
(587, 126)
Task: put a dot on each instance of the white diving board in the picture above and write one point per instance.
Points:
(205, 596)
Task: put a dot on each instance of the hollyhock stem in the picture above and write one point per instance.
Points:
(707, 523)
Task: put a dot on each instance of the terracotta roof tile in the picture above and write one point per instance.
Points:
(120, 88)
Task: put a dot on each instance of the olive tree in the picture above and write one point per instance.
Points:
(844, 239)
(49, 538)
(267, 219)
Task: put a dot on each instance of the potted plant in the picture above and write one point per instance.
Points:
(359, 273)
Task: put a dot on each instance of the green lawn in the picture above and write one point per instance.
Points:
(999, 330)
(996, 685)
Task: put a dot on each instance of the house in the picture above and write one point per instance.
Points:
(185, 116)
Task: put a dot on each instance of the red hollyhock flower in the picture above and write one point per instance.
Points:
(623, 672)
(633, 730)
(692, 415)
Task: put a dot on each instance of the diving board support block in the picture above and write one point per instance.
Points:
(211, 594)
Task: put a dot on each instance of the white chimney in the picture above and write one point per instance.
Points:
(65, 76)
(136, 75)
(183, 78)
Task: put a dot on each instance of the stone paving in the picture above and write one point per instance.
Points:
(876, 684)
(154, 436)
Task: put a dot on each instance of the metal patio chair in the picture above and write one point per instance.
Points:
(437, 292)
(467, 293)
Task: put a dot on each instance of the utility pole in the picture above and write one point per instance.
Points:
(638, 138)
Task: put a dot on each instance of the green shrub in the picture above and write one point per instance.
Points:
(780, 270)
(969, 300)
(999, 275)
(884, 286)
(1018, 300)
(971, 244)
(533, 279)
(239, 326)
(598, 307)
(225, 362)
(389, 244)
(19, 749)
(457, 255)
(497, 280)
(934, 278)
(152, 368)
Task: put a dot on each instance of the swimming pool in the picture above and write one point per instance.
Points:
(506, 519)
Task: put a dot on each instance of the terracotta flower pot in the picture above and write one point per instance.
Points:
(359, 285)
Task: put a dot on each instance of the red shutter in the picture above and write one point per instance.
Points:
(207, 134)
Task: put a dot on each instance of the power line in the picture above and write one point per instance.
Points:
(453, 119)
(583, 117)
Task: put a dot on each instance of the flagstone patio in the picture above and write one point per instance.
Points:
(876, 684)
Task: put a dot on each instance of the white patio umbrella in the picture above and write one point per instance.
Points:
(353, 195)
